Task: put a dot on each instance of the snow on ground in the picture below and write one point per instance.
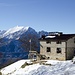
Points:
(13, 67)
(56, 68)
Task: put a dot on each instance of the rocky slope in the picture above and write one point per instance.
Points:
(14, 44)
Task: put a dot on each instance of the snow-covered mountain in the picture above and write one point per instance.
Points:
(16, 32)
(14, 44)
(12, 30)
(1, 33)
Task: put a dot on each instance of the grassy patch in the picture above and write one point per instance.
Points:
(0, 73)
(25, 64)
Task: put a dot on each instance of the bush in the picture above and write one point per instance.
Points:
(0, 73)
(25, 64)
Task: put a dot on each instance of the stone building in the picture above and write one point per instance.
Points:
(58, 46)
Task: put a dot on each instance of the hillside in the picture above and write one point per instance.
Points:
(14, 44)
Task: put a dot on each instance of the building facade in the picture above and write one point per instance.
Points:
(57, 46)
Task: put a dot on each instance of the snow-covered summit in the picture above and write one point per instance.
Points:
(15, 29)
(12, 30)
(15, 32)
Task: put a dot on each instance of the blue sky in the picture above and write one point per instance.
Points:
(48, 15)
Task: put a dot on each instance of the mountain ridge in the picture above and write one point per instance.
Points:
(14, 43)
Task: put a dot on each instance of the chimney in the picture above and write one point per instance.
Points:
(43, 36)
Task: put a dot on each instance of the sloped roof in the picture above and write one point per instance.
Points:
(57, 37)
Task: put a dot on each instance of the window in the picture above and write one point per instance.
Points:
(74, 40)
(74, 51)
(48, 42)
(34, 56)
(48, 49)
(58, 50)
(58, 42)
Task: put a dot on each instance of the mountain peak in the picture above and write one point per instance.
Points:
(15, 29)
(12, 30)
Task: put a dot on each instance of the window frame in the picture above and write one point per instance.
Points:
(48, 49)
(48, 42)
(59, 42)
(58, 50)
(74, 40)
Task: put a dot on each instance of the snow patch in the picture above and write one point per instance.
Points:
(15, 29)
(15, 32)
(13, 67)
(50, 36)
(52, 62)
(58, 68)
